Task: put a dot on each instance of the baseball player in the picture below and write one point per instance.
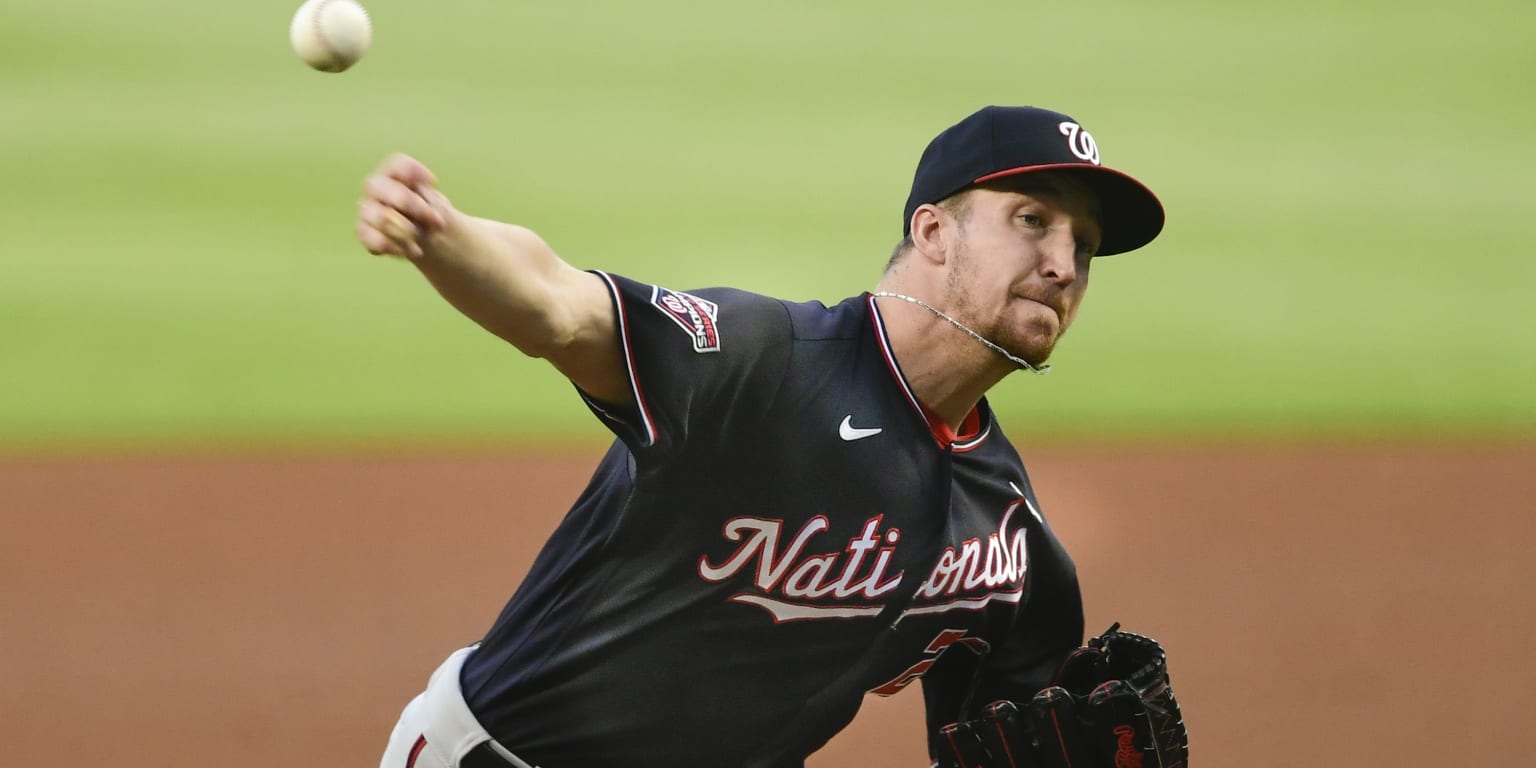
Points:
(804, 503)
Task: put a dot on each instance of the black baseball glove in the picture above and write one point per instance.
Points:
(1111, 707)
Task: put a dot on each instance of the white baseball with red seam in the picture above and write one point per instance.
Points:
(330, 35)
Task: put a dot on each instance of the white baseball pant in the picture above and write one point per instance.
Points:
(436, 730)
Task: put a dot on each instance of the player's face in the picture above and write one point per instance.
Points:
(1020, 268)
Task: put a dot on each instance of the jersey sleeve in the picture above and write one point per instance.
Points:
(703, 366)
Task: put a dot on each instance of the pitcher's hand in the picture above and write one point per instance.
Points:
(401, 208)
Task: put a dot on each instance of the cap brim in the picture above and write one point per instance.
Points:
(1132, 215)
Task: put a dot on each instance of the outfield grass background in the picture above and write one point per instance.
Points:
(1349, 247)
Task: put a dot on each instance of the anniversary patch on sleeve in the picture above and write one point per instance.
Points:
(696, 316)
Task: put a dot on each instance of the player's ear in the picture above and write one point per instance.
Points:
(931, 233)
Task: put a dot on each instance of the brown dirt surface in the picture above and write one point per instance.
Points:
(1322, 606)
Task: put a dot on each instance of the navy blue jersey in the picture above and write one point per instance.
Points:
(779, 528)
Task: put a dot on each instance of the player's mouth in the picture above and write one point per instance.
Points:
(1054, 306)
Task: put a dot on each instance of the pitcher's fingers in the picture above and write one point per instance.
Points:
(387, 220)
(380, 244)
(439, 203)
(397, 227)
(407, 170)
(374, 240)
(398, 231)
(398, 196)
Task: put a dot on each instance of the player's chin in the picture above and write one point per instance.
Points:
(1039, 354)
(1039, 335)
(1036, 345)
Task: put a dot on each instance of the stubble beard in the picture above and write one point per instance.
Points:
(1034, 347)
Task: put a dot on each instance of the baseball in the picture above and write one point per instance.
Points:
(330, 35)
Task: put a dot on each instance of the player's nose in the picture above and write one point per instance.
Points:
(1058, 262)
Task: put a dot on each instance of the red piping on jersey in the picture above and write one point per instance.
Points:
(970, 429)
(421, 741)
(970, 434)
(975, 440)
(629, 358)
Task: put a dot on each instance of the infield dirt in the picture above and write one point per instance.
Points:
(1322, 606)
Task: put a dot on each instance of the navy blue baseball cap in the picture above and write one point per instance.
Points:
(998, 142)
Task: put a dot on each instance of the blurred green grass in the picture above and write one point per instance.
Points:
(1348, 249)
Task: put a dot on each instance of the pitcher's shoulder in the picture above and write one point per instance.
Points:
(813, 320)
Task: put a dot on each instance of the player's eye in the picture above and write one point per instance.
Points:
(1031, 220)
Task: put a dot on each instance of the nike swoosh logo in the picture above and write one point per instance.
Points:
(849, 432)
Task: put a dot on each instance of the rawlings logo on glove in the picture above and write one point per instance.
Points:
(1111, 707)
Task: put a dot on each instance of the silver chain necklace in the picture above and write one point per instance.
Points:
(1020, 362)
